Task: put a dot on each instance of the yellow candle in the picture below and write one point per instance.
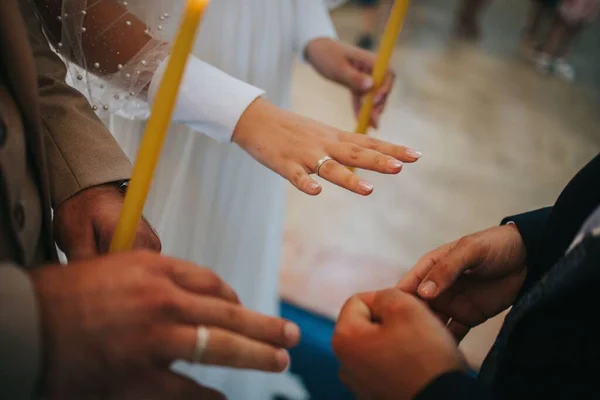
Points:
(388, 43)
(156, 129)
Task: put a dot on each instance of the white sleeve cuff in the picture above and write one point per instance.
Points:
(210, 101)
(312, 22)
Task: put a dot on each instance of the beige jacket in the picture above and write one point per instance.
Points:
(51, 147)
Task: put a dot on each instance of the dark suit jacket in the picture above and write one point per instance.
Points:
(51, 146)
(548, 346)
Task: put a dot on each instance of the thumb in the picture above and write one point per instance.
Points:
(392, 305)
(354, 79)
(465, 255)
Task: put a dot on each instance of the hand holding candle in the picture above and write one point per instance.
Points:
(154, 136)
(388, 43)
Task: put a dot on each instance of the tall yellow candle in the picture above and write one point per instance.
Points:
(388, 43)
(156, 129)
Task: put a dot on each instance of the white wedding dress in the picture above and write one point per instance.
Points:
(210, 202)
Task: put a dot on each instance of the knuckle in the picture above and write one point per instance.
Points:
(399, 308)
(298, 178)
(351, 181)
(355, 151)
(327, 167)
(372, 143)
(339, 340)
(466, 241)
(211, 282)
(162, 297)
(343, 341)
(168, 303)
(381, 161)
(233, 315)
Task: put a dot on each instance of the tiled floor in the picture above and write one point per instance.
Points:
(497, 138)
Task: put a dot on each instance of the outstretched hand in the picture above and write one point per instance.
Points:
(292, 145)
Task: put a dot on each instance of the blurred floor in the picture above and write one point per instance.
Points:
(498, 138)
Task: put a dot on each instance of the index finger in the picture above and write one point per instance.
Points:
(444, 273)
(412, 280)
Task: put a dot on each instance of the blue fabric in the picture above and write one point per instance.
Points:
(313, 359)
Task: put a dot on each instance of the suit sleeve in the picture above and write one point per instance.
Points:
(454, 386)
(531, 226)
(20, 347)
(81, 151)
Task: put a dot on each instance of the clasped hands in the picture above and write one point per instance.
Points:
(392, 343)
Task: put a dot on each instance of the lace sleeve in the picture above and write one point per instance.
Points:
(113, 47)
(117, 51)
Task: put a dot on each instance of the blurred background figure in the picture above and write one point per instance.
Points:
(370, 22)
(468, 18)
(568, 17)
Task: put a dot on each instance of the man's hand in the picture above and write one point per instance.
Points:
(112, 326)
(84, 224)
(351, 67)
(472, 279)
(391, 346)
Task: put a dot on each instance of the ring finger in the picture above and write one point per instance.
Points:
(223, 348)
(339, 175)
(233, 317)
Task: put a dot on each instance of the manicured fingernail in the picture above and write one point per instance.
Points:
(291, 333)
(282, 359)
(394, 164)
(313, 186)
(368, 83)
(414, 153)
(428, 289)
(365, 186)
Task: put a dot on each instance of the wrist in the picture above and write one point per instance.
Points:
(209, 101)
(517, 238)
(453, 366)
(312, 51)
(259, 113)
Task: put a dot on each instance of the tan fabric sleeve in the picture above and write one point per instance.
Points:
(81, 151)
(20, 347)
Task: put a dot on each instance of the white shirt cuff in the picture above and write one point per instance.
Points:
(210, 101)
(312, 22)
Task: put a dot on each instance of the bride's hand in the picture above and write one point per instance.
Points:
(292, 145)
(351, 67)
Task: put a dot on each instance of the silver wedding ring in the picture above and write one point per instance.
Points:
(320, 164)
(202, 336)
